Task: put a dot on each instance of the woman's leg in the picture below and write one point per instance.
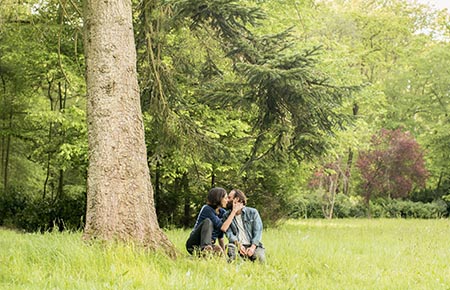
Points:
(200, 237)
(206, 233)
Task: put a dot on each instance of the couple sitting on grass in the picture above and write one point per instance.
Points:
(242, 225)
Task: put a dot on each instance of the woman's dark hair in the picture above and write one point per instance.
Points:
(240, 196)
(215, 196)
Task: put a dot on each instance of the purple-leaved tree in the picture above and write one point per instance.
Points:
(393, 166)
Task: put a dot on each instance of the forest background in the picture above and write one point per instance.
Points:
(316, 108)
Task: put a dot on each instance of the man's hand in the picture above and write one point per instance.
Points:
(242, 250)
(250, 251)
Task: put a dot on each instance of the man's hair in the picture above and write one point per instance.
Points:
(240, 196)
(215, 196)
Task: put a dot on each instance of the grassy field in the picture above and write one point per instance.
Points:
(304, 254)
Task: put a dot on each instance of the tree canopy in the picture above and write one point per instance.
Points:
(259, 95)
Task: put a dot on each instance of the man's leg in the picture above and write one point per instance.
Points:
(259, 255)
(231, 252)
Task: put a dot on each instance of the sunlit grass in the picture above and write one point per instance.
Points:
(303, 254)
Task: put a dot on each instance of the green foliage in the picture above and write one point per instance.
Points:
(226, 66)
(306, 206)
(234, 94)
(311, 206)
(389, 208)
(12, 203)
(66, 213)
(271, 189)
(227, 17)
(22, 210)
(236, 98)
(42, 119)
(349, 207)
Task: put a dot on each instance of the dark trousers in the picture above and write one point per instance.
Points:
(200, 237)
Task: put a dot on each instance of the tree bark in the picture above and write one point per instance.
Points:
(120, 203)
(187, 201)
(7, 152)
(2, 130)
(348, 170)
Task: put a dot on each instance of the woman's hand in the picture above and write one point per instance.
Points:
(237, 205)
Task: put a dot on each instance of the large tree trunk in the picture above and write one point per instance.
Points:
(120, 203)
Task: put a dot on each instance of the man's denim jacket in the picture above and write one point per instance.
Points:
(252, 224)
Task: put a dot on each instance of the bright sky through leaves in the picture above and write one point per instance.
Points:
(439, 4)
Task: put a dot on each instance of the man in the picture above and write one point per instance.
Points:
(244, 231)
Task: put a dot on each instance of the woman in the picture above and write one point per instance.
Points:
(209, 222)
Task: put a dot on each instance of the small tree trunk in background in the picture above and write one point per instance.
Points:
(157, 194)
(50, 141)
(347, 173)
(348, 169)
(438, 185)
(7, 152)
(213, 176)
(332, 193)
(187, 201)
(62, 107)
(120, 203)
(49, 158)
(367, 202)
(3, 128)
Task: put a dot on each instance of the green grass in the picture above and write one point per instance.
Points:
(304, 254)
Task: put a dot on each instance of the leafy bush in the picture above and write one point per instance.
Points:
(310, 206)
(349, 206)
(393, 208)
(12, 203)
(306, 206)
(27, 212)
